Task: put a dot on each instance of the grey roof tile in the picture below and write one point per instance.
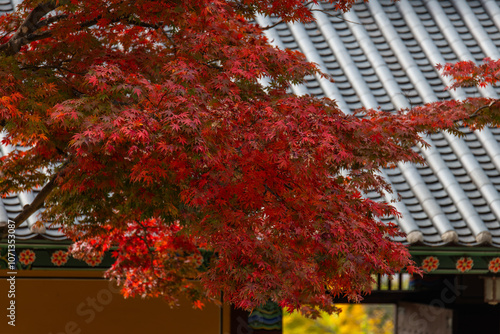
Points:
(401, 44)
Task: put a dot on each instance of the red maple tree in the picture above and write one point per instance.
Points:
(148, 127)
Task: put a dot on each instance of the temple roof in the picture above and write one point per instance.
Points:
(383, 54)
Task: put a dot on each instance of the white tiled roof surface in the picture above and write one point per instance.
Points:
(383, 54)
(6, 6)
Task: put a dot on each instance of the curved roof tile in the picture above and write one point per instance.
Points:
(386, 55)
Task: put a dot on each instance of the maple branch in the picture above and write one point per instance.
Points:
(272, 25)
(148, 247)
(52, 19)
(38, 202)
(477, 111)
(26, 32)
(60, 68)
(279, 198)
(337, 15)
(281, 21)
(174, 45)
(7, 34)
(137, 22)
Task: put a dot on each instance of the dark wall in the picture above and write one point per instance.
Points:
(481, 319)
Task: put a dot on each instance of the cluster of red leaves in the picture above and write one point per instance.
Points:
(152, 259)
(474, 112)
(154, 117)
(468, 73)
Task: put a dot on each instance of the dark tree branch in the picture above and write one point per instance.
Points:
(273, 25)
(337, 15)
(52, 19)
(137, 22)
(26, 32)
(278, 197)
(13, 46)
(39, 200)
(477, 111)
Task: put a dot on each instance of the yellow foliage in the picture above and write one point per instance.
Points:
(354, 318)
